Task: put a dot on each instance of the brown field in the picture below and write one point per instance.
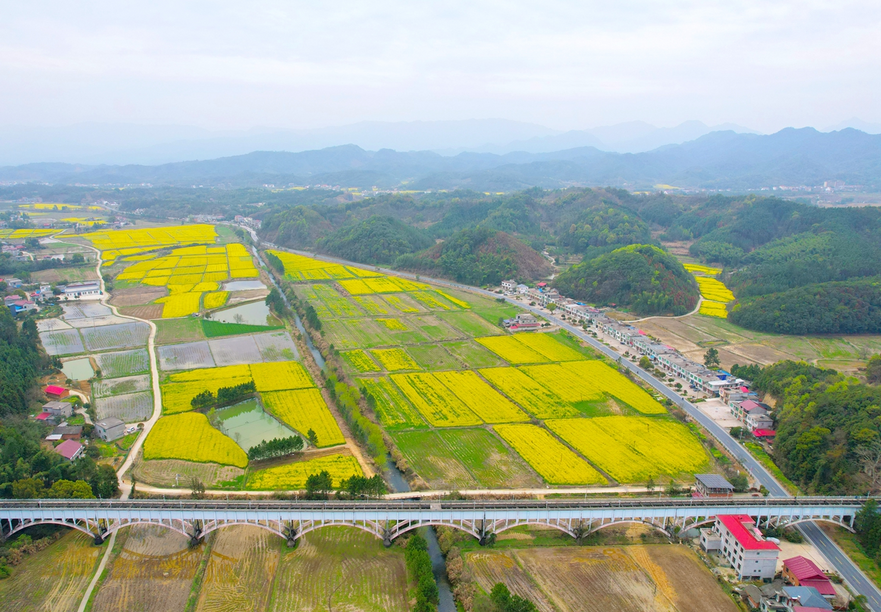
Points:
(238, 577)
(153, 571)
(66, 275)
(246, 296)
(161, 473)
(343, 569)
(54, 578)
(149, 311)
(135, 296)
(663, 578)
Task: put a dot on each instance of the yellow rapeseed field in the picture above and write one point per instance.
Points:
(302, 410)
(712, 289)
(180, 305)
(299, 268)
(455, 301)
(151, 238)
(395, 359)
(616, 384)
(180, 388)
(702, 269)
(561, 381)
(714, 309)
(400, 304)
(360, 360)
(512, 350)
(280, 376)
(633, 449)
(435, 401)
(556, 463)
(547, 345)
(215, 299)
(482, 399)
(190, 437)
(26, 233)
(392, 324)
(292, 476)
(540, 401)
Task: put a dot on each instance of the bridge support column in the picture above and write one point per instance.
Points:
(486, 537)
(290, 533)
(196, 536)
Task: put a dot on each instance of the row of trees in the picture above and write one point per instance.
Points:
(319, 486)
(225, 395)
(420, 570)
(277, 447)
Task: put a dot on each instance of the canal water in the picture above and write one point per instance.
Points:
(446, 603)
(252, 313)
(78, 369)
(249, 425)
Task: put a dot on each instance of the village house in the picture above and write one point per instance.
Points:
(59, 409)
(508, 286)
(110, 429)
(75, 291)
(56, 392)
(523, 290)
(712, 485)
(522, 322)
(70, 450)
(739, 542)
(801, 571)
(66, 432)
(21, 305)
(758, 419)
(796, 599)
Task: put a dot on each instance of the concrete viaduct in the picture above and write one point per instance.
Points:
(388, 520)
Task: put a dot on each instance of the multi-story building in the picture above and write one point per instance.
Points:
(737, 539)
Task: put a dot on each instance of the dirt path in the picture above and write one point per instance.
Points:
(139, 442)
(688, 314)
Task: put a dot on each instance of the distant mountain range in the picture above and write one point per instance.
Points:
(721, 159)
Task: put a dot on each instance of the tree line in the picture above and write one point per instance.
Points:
(224, 396)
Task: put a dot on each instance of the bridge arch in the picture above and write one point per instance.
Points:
(217, 525)
(623, 521)
(119, 525)
(506, 527)
(405, 526)
(818, 520)
(316, 526)
(86, 529)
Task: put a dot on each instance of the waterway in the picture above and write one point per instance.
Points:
(446, 603)
(252, 313)
(78, 369)
(249, 425)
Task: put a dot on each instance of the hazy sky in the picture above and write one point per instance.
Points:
(567, 65)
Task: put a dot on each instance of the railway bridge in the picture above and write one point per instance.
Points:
(388, 520)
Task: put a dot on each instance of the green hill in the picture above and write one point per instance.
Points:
(377, 240)
(640, 277)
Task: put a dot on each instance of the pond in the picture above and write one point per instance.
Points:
(249, 425)
(243, 285)
(78, 369)
(252, 313)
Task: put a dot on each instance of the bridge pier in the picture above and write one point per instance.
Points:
(290, 533)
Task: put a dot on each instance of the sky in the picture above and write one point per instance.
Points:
(566, 65)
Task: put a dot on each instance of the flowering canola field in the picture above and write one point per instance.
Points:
(482, 399)
(539, 400)
(305, 409)
(299, 268)
(215, 299)
(12, 234)
(702, 269)
(633, 449)
(556, 463)
(716, 296)
(561, 381)
(280, 376)
(113, 243)
(615, 384)
(293, 475)
(391, 407)
(395, 359)
(360, 360)
(180, 388)
(435, 401)
(190, 437)
(512, 350)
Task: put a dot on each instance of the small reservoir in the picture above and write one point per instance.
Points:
(252, 313)
(249, 425)
(78, 369)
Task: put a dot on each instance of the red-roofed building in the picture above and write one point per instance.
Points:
(801, 571)
(44, 416)
(764, 433)
(744, 408)
(743, 546)
(56, 392)
(69, 449)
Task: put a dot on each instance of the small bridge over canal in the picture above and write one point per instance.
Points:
(388, 520)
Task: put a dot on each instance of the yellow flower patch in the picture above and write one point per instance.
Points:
(360, 360)
(615, 384)
(395, 359)
(556, 463)
(292, 476)
(481, 398)
(540, 401)
(190, 437)
(280, 376)
(303, 410)
(512, 350)
(435, 401)
(215, 299)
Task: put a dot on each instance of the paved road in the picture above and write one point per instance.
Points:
(839, 560)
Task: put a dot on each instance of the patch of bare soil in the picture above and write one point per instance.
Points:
(135, 296)
(149, 311)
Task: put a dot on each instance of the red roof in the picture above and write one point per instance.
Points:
(68, 449)
(541, 285)
(43, 416)
(808, 574)
(764, 433)
(749, 405)
(744, 531)
(744, 390)
(54, 390)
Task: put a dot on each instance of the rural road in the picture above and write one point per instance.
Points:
(139, 441)
(839, 560)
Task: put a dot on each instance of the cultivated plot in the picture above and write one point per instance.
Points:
(129, 408)
(190, 437)
(123, 363)
(390, 405)
(276, 346)
(292, 476)
(303, 410)
(556, 463)
(481, 399)
(538, 400)
(109, 387)
(186, 356)
(435, 401)
(64, 342)
(128, 335)
(235, 351)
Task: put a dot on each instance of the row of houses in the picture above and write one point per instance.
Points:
(667, 358)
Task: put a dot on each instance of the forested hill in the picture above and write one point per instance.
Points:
(479, 256)
(828, 433)
(717, 160)
(642, 278)
(377, 240)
